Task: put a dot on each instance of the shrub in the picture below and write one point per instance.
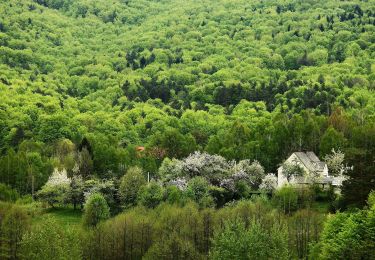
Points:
(256, 242)
(175, 195)
(130, 185)
(49, 240)
(96, 209)
(15, 223)
(7, 193)
(151, 195)
(286, 199)
(198, 190)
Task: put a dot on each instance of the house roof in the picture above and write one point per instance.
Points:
(311, 161)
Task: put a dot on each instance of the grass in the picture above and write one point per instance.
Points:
(321, 206)
(64, 216)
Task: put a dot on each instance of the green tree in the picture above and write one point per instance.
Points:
(130, 185)
(14, 225)
(49, 240)
(96, 210)
(151, 195)
(237, 242)
(198, 190)
(331, 139)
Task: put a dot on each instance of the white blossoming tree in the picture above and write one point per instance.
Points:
(170, 170)
(335, 163)
(54, 191)
(250, 172)
(269, 183)
(212, 167)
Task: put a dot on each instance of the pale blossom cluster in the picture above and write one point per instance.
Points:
(269, 183)
(59, 178)
(335, 163)
(180, 183)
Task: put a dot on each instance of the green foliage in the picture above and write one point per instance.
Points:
(131, 183)
(198, 190)
(331, 140)
(174, 247)
(7, 193)
(175, 196)
(348, 235)
(49, 240)
(14, 223)
(151, 195)
(237, 242)
(52, 195)
(286, 199)
(371, 199)
(96, 210)
(85, 84)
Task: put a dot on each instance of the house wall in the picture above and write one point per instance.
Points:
(281, 179)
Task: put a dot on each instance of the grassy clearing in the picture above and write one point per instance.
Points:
(321, 206)
(65, 216)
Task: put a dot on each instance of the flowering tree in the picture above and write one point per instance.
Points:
(335, 162)
(251, 172)
(212, 167)
(170, 169)
(292, 169)
(55, 189)
(269, 183)
(59, 178)
(180, 183)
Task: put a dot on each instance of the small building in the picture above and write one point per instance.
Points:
(314, 171)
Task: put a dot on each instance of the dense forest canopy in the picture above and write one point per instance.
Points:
(153, 129)
(244, 79)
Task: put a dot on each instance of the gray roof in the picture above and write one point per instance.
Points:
(311, 161)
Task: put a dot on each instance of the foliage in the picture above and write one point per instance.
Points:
(14, 223)
(237, 242)
(198, 190)
(286, 199)
(151, 195)
(130, 185)
(49, 240)
(371, 199)
(292, 170)
(7, 193)
(348, 235)
(96, 209)
(335, 163)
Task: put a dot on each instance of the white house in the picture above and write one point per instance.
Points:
(315, 171)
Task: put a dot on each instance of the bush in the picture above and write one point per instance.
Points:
(286, 199)
(175, 196)
(198, 190)
(173, 247)
(256, 242)
(49, 240)
(130, 185)
(15, 223)
(371, 199)
(7, 193)
(96, 209)
(52, 195)
(151, 195)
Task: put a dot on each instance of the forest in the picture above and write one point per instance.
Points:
(154, 129)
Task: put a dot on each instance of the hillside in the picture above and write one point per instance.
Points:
(168, 129)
